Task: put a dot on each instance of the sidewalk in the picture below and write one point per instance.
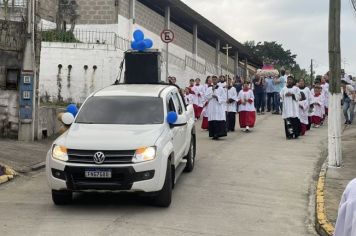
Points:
(23, 156)
(337, 178)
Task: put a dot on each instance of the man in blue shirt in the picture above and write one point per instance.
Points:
(270, 93)
(279, 84)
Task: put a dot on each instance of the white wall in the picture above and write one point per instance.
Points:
(81, 82)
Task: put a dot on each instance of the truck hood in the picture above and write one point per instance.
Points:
(110, 137)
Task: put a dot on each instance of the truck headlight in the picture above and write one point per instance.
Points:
(59, 153)
(144, 154)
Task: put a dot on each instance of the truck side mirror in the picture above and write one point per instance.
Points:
(172, 117)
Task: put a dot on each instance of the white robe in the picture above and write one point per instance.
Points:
(346, 219)
(244, 96)
(290, 106)
(303, 111)
(309, 96)
(318, 110)
(198, 95)
(215, 109)
(231, 107)
(325, 92)
(188, 99)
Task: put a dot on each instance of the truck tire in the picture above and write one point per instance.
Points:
(164, 197)
(61, 197)
(190, 156)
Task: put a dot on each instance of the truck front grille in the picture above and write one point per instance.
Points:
(111, 157)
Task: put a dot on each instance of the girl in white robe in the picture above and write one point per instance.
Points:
(247, 110)
(318, 107)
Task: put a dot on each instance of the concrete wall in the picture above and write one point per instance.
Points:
(48, 122)
(75, 84)
(47, 9)
(11, 49)
(9, 120)
(97, 11)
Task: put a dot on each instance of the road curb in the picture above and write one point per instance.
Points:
(38, 166)
(9, 175)
(322, 224)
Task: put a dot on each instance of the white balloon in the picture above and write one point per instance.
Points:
(67, 118)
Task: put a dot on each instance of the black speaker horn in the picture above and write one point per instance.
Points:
(143, 67)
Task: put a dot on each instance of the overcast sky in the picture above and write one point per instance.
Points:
(300, 25)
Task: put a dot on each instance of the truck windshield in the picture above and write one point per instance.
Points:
(122, 110)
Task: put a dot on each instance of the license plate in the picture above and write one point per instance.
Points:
(104, 174)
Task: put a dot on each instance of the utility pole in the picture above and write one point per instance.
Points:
(28, 102)
(334, 118)
(311, 73)
(167, 24)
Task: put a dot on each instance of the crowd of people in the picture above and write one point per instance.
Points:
(218, 101)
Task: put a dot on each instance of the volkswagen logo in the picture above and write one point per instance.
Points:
(99, 157)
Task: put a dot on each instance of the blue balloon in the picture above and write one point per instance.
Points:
(148, 43)
(141, 46)
(72, 108)
(134, 45)
(138, 35)
(172, 117)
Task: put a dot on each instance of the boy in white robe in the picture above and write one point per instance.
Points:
(247, 110)
(308, 95)
(346, 218)
(231, 106)
(290, 95)
(205, 122)
(198, 93)
(215, 96)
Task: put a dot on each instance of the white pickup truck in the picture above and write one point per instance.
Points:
(124, 139)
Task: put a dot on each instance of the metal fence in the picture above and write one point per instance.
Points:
(86, 36)
(49, 34)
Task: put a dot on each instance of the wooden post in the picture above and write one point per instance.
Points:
(334, 119)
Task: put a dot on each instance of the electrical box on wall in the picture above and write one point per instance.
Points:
(26, 87)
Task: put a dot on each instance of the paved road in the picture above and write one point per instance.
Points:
(248, 184)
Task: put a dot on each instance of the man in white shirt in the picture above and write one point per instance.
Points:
(346, 218)
(216, 97)
(290, 95)
(349, 98)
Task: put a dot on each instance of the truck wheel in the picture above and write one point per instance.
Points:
(164, 197)
(61, 197)
(190, 156)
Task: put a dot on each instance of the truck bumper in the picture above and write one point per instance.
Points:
(140, 177)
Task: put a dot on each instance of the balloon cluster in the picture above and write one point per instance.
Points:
(67, 118)
(140, 43)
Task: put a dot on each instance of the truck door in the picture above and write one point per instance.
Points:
(177, 132)
(181, 129)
